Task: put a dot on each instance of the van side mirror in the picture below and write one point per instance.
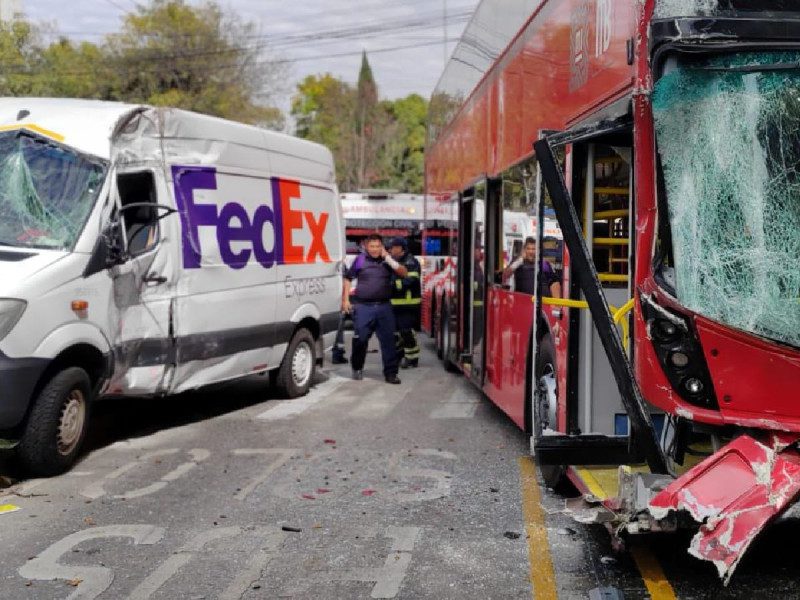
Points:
(108, 250)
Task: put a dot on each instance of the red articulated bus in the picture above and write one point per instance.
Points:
(665, 136)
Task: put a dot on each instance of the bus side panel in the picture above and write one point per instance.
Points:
(510, 318)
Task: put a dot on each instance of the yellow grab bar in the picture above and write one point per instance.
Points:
(618, 314)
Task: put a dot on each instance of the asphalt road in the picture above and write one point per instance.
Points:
(358, 490)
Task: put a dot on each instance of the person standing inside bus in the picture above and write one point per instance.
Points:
(523, 269)
(406, 302)
(372, 308)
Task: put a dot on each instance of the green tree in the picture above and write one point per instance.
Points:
(370, 121)
(74, 70)
(375, 143)
(324, 111)
(405, 152)
(195, 57)
(19, 47)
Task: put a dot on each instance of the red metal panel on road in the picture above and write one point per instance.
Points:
(737, 492)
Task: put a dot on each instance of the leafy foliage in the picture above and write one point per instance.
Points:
(377, 144)
(168, 52)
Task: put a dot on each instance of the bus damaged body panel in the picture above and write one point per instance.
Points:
(731, 288)
(719, 121)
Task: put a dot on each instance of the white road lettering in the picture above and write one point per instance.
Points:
(388, 578)
(177, 561)
(281, 456)
(289, 409)
(441, 479)
(97, 489)
(462, 404)
(94, 580)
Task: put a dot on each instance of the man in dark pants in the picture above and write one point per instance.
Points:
(372, 308)
(406, 301)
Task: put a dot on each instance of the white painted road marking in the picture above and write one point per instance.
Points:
(178, 560)
(440, 488)
(94, 580)
(96, 489)
(462, 404)
(282, 455)
(272, 540)
(388, 578)
(288, 409)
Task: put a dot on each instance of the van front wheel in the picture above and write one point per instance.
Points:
(296, 372)
(57, 424)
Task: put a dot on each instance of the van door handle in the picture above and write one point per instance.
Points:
(155, 278)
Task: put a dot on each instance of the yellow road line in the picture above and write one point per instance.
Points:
(591, 482)
(655, 581)
(7, 508)
(543, 576)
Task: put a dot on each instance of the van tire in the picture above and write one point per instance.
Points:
(57, 424)
(296, 373)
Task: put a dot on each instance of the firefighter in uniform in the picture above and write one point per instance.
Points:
(406, 301)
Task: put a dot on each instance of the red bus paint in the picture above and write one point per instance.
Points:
(572, 63)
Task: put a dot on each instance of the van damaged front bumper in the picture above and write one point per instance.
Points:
(18, 379)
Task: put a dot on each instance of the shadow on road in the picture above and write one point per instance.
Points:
(116, 419)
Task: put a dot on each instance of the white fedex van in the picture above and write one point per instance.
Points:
(149, 251)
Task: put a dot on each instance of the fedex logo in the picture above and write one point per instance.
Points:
(240, 236)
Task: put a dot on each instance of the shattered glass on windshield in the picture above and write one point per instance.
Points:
(666, 9)
(728, 130)
(684, 8)
(46, 192)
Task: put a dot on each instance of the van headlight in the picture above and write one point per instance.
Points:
(10, 314)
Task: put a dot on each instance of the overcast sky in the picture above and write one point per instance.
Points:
(385, 24)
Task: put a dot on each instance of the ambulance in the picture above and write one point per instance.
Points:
(150, 251)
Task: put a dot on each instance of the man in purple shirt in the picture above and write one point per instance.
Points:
(523, 270)
(371, 307)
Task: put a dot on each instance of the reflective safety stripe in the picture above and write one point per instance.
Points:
(406, 301)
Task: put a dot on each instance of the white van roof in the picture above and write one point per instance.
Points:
(89, 126)
(86, 125)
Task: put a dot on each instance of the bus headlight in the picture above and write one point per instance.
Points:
(10, 314)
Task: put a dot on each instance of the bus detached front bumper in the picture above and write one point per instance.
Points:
(735, 494)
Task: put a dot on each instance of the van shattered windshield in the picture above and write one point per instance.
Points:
(46, 192)
(728, 130)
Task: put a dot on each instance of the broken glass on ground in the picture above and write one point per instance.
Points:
(728, 130)
(46, 192)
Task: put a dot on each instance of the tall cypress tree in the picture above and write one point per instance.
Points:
(366, 108)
